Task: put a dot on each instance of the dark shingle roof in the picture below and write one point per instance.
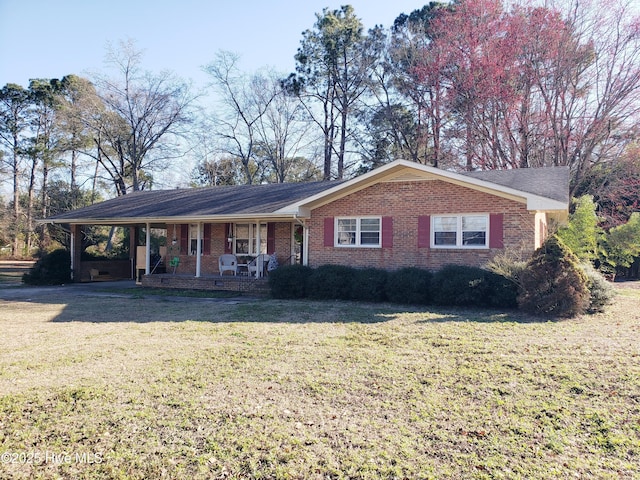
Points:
(199, 202)
(192, 203)
(549, 182)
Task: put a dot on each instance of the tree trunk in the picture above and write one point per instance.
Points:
(343, 142)
(30, 195)
(16, 209)
(16, 197)
(328, 138)
(469, 149)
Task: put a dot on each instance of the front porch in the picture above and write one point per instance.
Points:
(229, 283)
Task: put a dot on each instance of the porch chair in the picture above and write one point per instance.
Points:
(227, 263)
(174, 262)
(256, 267)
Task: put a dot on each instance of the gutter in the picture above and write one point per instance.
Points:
(169, 220)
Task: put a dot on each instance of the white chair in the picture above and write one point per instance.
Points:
(256, 267)
(228, 263)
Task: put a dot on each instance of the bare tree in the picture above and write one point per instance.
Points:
(537, 85)
(244, 100)
(593, 104)
(284, 131)
(141, 116)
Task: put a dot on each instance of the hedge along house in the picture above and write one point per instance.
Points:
(401, 214)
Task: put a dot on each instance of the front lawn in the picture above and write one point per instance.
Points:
(151, 387)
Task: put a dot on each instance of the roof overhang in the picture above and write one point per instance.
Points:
(272, 217)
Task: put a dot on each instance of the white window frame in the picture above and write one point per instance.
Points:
(358, 232)
(459, 231)
(253, 234)
(193, 238)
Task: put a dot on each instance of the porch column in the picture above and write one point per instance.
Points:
(305, 245)
(133, 251)
(147, 250)
(199, 250)
(257, 251)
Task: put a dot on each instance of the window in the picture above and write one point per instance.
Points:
(193, 239)
(245, 238)
(460, 231)
(474, 230)
(445, 231)
(358, 232)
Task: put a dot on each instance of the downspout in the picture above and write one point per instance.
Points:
(305, 250)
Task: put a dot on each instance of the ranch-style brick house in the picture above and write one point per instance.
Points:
(401, 214)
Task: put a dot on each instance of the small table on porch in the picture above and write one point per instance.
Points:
(242, 269)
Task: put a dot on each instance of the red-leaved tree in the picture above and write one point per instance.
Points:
(536, 86)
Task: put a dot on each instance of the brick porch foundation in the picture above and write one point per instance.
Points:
(228, 283)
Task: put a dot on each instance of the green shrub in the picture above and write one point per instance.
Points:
(553, 282)
(53, 268)
(601, 292)
(331, 282)
(503, 291)
(462, 286)
(509, 265)
(409, 285)
(582, 233)
(369, 285)
(620, 247)
(289, 281)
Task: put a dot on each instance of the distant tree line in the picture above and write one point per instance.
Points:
(473, 84)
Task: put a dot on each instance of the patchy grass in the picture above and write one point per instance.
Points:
(103, 387)
(143, 292)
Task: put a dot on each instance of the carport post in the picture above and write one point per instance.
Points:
(147, 250)
(73, 250)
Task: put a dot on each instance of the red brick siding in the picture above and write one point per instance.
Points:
(209, 263)
(283, 241)
(405, 202)
(240, 284)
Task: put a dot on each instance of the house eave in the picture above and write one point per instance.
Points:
(272, 217)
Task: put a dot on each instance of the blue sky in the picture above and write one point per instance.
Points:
(50, 39)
